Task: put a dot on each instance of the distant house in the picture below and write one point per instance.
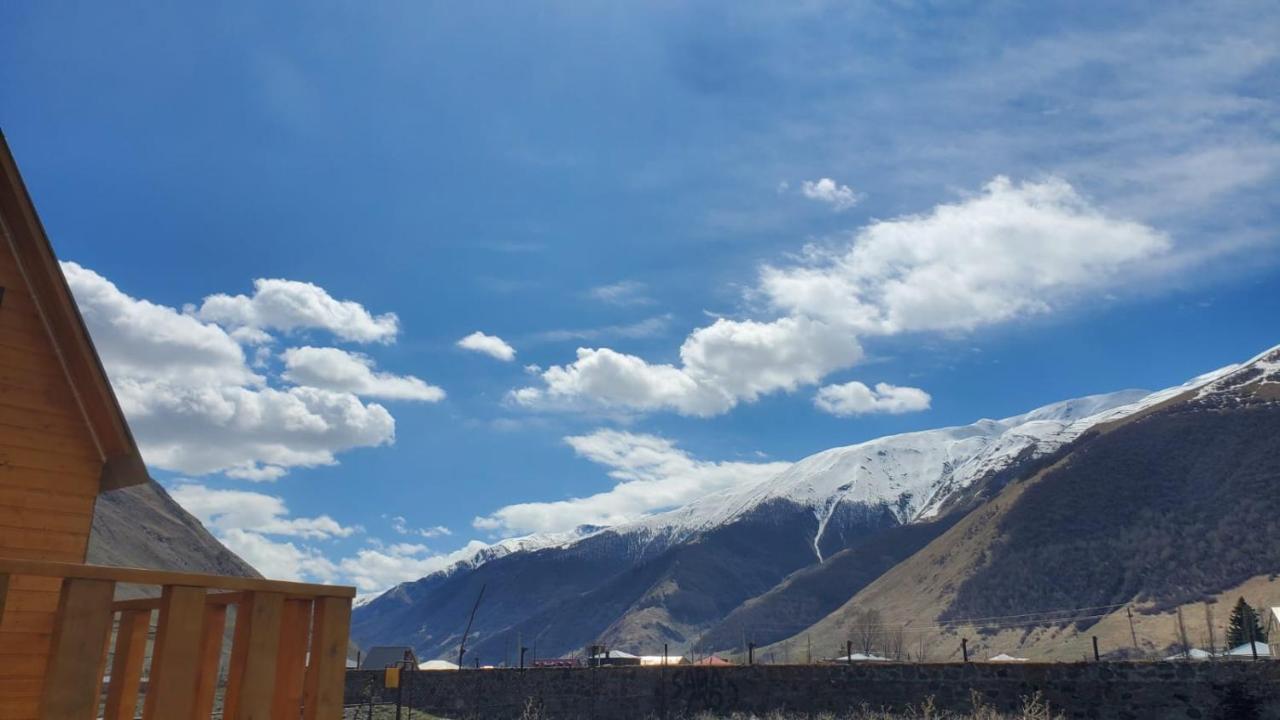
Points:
(712, 660)
(385, 656)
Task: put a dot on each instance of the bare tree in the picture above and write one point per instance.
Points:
(867, 630)
(924, 643)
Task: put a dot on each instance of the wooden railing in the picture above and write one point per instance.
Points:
(287, 657)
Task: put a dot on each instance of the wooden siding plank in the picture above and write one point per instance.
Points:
(29, 479)
(331, 625)
(126, 665)
(78, 649)
(4, 594)
(44, 500)
(253, 657)
(27, 539)
(175, 663)
(30, 519)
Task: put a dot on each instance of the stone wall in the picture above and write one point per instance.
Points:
(1226, 690)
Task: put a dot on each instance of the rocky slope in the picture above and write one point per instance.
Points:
(142, 526)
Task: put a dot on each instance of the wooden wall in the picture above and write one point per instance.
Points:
(49, 473)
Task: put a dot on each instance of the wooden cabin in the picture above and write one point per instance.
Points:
(64, 441)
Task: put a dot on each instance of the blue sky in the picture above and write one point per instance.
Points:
(987, 207)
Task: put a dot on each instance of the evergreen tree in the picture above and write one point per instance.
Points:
(1244, 618)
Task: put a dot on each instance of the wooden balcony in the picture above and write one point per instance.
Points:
(287, 655)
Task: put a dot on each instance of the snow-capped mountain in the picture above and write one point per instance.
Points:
(673, 576)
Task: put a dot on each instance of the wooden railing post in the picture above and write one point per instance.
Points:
(291, 664)
(175, 663)
(326, 673)
(254, 653)
(215, 623)
(73, 677)
(126, 665)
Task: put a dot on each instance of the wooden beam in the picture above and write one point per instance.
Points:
(41, 568)
(215, 622)
(330, 627)
(126, 665)
(175, 663)
(291, 663)
(254, 654)
(73, 676)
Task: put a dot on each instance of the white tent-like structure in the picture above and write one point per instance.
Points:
(1192, 654)
(860, 657)
(1005, 657)
(437, 665)
(1263, 650)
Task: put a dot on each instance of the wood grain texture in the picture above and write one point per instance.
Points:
(331, 624)
(126, 665)
(215, 622)
(175, 663)
(291, 662)
(73, 676)
(251, 680)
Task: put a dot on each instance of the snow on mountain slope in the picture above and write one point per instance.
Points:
(913, 473)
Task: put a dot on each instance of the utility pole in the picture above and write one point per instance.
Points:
(964, 648)
(751, 653)
(848, 651)
(1096, 656)
(809, 649)
(1132, 632)
(462, 647)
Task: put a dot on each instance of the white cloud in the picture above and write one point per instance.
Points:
(376, 569)
(138, 338)
(840, 197)
(855, 398)
(195, 405)
(648, 327)
(490, 345)
(224, 510)
(247, 433)
(280, 560)
(652, 473)
(251, 525)
(1010, 251)
(343, 371)
(626, 292)
(726, 363)
(287, 305)
(401, 526)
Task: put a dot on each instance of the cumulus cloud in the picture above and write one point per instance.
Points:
(287, 305)
(652, 474)
(377, 568)
(728, 362)
(855, 398)
(197, 407)
(491, 345)
(1012, 250)
(259, 528)
(224, 510)
(840, 197)
(342, 371)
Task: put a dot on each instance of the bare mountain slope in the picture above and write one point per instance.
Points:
(143, 527)
(1164, 508)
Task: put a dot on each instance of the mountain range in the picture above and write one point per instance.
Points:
(1149, 500)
